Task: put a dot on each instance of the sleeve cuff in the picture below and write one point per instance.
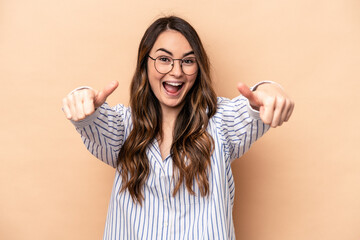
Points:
(88, 120)
(79, 88)
(252, 112)
(253, 88)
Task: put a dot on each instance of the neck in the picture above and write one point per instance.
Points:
(169, 116)
(165, 140)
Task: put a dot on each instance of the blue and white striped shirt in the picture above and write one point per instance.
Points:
(234, 127)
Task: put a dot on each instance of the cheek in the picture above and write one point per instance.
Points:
(153, 75)
(191, 81)
(150, 75)
(149, 69)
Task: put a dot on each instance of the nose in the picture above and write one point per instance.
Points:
(176, 71)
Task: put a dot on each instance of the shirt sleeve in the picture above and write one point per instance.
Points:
(239, 125)
(103, 132)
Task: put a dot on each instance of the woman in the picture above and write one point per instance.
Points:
(174, 145)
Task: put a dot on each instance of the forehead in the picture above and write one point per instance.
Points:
(173, 41)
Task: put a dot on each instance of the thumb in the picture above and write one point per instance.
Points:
(102, 95)
(246, 92)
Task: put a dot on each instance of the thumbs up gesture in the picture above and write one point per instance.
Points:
(82, 103)
(270, 99)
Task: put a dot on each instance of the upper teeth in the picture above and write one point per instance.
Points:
(174, 84)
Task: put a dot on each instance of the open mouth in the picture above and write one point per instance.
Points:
(173, 87)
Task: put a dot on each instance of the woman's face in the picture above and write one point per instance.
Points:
(170, 88)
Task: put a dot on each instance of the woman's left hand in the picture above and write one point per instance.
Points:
(270, 99)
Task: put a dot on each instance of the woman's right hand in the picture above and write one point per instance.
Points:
(79, 104)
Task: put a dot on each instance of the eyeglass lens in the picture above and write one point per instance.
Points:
(165, 64)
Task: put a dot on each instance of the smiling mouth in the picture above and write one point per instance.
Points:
(173, 87)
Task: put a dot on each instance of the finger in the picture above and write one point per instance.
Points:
(88, 103)
(278, 112)
(292, 105)
(66, 109)
(79, 105)
(101, 96)
(287, 109)
(246, 92)
(267, 113)
(71, 105)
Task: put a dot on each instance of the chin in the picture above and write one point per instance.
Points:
(172, 104)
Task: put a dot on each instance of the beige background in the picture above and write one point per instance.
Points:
(300, 181)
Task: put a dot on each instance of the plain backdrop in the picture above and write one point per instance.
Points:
(300, 181)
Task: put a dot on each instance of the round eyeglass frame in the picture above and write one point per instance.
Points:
(172, 65)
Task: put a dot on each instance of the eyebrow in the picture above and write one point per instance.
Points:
(170, 53)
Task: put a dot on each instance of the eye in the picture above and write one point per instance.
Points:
(189, 61)
(164, 59)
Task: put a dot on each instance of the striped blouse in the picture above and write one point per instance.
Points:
(234, 127)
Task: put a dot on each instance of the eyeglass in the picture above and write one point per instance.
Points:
(164, 64)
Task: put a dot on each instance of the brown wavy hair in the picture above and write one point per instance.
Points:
(192, 145)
